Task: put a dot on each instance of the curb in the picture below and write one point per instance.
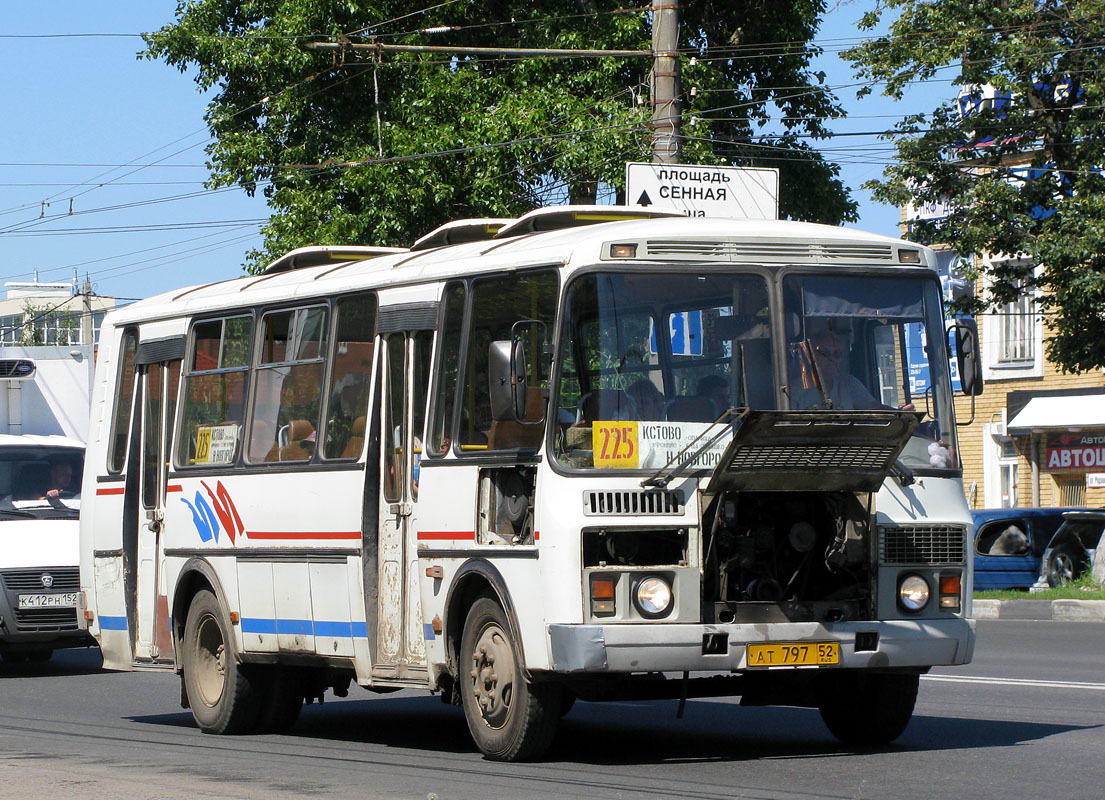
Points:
(1060, 610)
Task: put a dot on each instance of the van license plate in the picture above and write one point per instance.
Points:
(793, 654)
(67, 600)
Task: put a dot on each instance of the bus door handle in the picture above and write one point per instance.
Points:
(401, 509)
(154, 519)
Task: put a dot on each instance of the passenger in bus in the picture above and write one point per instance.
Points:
(715, 388)
(647, 398)
(841, 389)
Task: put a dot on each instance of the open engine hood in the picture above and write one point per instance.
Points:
(813, 451)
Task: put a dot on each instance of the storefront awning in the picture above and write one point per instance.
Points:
(1063, 412)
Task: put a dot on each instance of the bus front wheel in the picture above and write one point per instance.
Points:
(867, 708)
(223, 697)
(510, 718)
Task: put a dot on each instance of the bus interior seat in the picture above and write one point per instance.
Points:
(606, 404)
(356, 439)
(690, 409)
(300, 445)
(508, 434)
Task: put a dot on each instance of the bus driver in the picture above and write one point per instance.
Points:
(842, 389)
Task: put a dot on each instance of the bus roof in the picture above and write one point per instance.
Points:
(652, 240)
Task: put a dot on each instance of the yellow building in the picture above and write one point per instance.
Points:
(1036, 436)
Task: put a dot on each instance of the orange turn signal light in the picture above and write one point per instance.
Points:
(602, 588)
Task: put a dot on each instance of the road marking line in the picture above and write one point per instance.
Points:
(1096, 687)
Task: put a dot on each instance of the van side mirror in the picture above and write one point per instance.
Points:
(966, 351)
(507, 379)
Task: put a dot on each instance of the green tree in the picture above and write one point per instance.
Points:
(339, 142)
(1022, 175)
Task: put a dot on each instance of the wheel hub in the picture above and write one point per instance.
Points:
(493, 675)
(210, 667)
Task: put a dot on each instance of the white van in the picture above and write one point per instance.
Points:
(40, 485)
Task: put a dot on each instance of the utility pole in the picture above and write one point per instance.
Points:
(665, 82)
(86, 313)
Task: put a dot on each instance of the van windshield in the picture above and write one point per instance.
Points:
(40, 481)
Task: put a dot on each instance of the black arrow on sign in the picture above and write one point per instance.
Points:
(644, 199)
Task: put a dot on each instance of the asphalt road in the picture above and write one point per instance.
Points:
(1026, 719)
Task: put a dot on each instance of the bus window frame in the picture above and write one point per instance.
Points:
(250, 313)
(470, 282)
(256, 365)
(116, 405)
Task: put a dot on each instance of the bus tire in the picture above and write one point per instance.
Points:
(223, 696)
(283, 699)
(509, 718)
(867, 708)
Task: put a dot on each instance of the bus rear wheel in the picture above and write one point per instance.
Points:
(224, 697)
(510, 718)
(867, 708)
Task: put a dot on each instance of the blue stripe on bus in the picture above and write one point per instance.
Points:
(428, 632)
(305, 627)
(251, 625)
(113, 623)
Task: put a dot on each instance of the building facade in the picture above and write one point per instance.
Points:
(50, 314)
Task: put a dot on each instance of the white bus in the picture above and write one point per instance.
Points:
(591, 453)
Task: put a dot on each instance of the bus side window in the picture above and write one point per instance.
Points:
(497, 304)
(448, 369)
(420, 367)
(124, 400)
(287, 400)
(213, 405)
(350, 378)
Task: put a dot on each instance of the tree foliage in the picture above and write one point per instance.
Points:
(378, 149)
(1022, 175)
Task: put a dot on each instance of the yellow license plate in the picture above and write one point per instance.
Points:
(793, 654)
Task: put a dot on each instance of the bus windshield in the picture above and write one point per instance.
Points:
(862, 343)
(650, 361)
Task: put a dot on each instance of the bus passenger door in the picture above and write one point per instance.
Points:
(159, 382)
(400, 645)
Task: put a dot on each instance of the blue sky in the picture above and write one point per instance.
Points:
(84, 115)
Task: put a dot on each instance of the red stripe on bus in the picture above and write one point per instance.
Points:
(446, 536)
(298, 535)
(174, 487)
(113, 490)
(536, 536)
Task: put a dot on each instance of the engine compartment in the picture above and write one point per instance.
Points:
(788, 557)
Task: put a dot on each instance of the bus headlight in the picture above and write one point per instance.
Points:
(652, 596)
(913, 592)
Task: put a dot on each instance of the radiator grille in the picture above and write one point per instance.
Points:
(632, 503)
(66, 579)
(43, 620)
(923, 544)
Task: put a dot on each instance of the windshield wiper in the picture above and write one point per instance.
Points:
(17, 512)
(662, 477)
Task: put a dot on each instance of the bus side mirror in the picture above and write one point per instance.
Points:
(966, 351)
(507, 380)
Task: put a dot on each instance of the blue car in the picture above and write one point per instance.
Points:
(1010, 544)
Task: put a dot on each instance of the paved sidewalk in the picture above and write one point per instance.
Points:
(1064, 610)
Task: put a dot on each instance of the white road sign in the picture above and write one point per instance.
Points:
(699, 191)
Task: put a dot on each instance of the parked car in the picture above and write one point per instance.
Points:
(40, 496)
(1071, 550)
(1010, 544)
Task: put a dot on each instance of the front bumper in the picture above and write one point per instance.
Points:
(680, 647)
